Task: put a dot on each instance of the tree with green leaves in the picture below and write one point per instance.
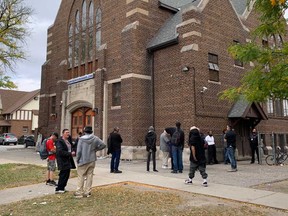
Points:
(268, 78)
(14, 15)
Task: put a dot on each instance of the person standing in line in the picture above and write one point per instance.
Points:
(170, 131)
(197, 156)
(39, 140)
(165, 148)
(65, 162)
(177, 141)
(114, 147)
(230, 138)
(211, 148)
(253, 139)
(224, 143)
(86, 158)
(150, 141)
(51, 160)
(76, 141)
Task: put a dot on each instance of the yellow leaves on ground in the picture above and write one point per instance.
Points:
(274, 2)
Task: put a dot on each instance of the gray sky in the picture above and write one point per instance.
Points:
(28, 72)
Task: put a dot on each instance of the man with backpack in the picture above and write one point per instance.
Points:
(177, 141)
(51, 160)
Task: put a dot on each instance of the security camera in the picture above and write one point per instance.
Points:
(203, 89)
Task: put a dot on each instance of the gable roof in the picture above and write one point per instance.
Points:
(13, 100)
(245, 109)
(167, 34)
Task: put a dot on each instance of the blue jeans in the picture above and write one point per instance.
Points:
(231, 156)
(177, 158)
(115, 160)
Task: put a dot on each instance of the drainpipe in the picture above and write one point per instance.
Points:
(153, 88)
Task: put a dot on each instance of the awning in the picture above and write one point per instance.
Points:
(244, 109)
(4, 123)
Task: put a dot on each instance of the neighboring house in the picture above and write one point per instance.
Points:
(137, 63)
(19, 111)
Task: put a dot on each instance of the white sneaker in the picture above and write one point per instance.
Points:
(164, 167)
(60, 191)
(205, 184)
(188, 181)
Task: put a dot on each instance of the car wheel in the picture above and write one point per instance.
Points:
(15, 143)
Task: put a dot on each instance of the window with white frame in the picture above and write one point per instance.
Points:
(270, 107)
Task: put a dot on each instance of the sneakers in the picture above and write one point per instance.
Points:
(117, 171)
(205, 184)
(164, 166)
(232, 170)
(174, 171)
(53, 183)
(87, 194)
(48, 182)
(188, 181)
(78, 195)
(155, 170)
(60, 191)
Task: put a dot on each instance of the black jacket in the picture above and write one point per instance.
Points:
(198, 143)
(64, 158)
(150, 141)
(114, 142)
(230, 136)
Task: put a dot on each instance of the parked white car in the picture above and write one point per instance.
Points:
(7, 138)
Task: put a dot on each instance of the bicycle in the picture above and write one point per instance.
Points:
(280, 157)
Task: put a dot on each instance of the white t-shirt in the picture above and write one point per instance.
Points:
(210, 140)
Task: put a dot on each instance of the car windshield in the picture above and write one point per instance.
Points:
(9, 135)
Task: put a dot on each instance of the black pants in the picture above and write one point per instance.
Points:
(212, 154)
(153, 158)
(63, 179)
(254, 148)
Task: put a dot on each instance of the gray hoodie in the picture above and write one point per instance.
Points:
(87, 147)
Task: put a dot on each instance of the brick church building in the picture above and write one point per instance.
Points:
(136, 63)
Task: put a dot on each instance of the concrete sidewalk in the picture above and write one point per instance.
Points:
(103, 177)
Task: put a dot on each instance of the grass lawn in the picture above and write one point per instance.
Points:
(15, 175)
(131, 199)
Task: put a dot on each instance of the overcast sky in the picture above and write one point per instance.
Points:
(28, 72)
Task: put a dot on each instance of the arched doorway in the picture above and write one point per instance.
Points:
(81, 118)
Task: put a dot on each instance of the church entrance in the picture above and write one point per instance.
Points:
(81, 118)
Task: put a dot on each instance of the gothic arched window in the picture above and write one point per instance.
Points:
(76, 49)
(98, 27)
(83, 35)
(90, 30)
(70, 46)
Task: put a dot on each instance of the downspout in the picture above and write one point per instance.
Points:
(153, 88)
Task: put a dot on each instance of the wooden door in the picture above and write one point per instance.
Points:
(81, 118)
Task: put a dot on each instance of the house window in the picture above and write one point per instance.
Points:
(285, 107)
(270, 108)
(237, 62)
(53, 104)
(213, 67)
(25, 129)
(116, 94)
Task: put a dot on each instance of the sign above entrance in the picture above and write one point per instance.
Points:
(80, 79)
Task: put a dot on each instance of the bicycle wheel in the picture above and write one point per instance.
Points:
(270, 160)
(282, 158)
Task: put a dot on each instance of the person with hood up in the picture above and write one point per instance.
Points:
(87, 147)
(150, 140)
(197, 156)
